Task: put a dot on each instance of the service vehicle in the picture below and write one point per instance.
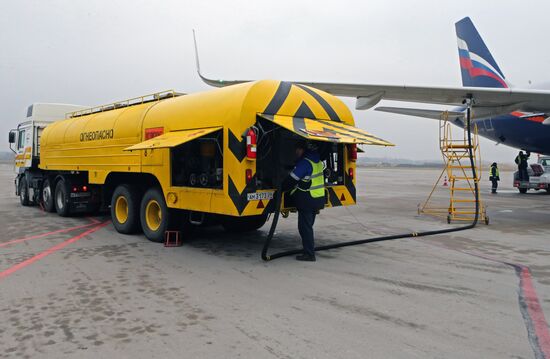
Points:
(173, 161)
(539, 176)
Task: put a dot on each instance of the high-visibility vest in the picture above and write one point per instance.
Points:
(496, 172)
(317, 180)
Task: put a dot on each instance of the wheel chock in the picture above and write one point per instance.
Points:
(172, 239)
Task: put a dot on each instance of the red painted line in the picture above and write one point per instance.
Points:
(535, 311)
(46, 234)
(50, 250)
(94, 220)
(536, 321)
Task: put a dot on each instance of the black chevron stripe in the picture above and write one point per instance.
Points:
(238, 148)
(239, 199)
(333, 198)
(304, 111)
(279, 98)
(326, 106)
(348, 182)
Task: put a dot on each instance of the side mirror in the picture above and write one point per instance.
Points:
(12, 137)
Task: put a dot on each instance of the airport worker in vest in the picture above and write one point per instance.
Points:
(494, 177)
(521, 161)
(306, 183)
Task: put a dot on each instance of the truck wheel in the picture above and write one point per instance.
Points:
(154, 215)
(24, 192)
(522, 190)
(125, 209)
(62, 199)
(243, 224)
(47, 197)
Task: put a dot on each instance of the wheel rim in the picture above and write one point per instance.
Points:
(60, 199)
(121, 209)
(23, 192)
(46, 194)
(153, 215)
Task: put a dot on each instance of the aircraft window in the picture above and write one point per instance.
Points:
(21, 140)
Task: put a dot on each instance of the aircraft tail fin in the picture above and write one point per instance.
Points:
(478, 67)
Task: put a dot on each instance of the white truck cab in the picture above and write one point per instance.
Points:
(539, 176)
(25, 139)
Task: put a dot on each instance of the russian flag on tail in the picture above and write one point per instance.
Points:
(478, 67)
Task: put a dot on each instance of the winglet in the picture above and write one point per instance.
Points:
(197, 62)
(211, 82)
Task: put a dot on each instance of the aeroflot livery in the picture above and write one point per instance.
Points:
(524, 130)
(515, 117)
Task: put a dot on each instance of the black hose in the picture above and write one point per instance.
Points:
(266, 257)
(278, 197)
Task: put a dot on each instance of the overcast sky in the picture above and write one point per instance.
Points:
(94, 52)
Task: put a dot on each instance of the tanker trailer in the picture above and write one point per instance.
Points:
(171, 161)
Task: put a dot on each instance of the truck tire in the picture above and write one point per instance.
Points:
(125, 204)
(47, 196)
(522, 190)
(61, 199)
(24, 192)
(243, 224)
(155, 216)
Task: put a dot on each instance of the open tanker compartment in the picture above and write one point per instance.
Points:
(277, 156)
(199, 162)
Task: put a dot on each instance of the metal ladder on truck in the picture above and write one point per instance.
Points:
(455, 150)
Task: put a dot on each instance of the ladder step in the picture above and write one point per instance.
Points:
(463, 167)
(462, 189)
(463, 178)
(464, 212)
(464, 200)
(459, 147)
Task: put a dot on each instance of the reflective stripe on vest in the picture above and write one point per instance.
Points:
(317, 187)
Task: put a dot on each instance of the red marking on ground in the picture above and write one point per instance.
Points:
(47, 234)
(94, 220)
(529, 294)
(535, 311)
(50, 250)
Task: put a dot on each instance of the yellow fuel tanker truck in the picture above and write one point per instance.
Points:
(170, 160)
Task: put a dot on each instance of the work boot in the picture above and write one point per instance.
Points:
(306, 258)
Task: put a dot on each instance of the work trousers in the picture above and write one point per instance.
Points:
(494, 186)
(523, 174)
(306, 219)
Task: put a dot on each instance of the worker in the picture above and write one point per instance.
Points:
(521, 161)
(494, 177)
(307, 189)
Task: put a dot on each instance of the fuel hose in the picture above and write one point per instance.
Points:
(278, 197)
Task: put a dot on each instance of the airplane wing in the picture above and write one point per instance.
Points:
(494, 100)
(490, 100)
(417, 112)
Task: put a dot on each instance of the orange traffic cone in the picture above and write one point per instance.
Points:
(445, 184)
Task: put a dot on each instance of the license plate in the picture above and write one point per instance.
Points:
(256, 196)
(80, 194)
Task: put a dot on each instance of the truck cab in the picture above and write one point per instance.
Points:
(24, 141)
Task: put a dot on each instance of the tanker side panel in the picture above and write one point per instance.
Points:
(196, 112)
(95, 143)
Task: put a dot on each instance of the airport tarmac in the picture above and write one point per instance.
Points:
(74, 287)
